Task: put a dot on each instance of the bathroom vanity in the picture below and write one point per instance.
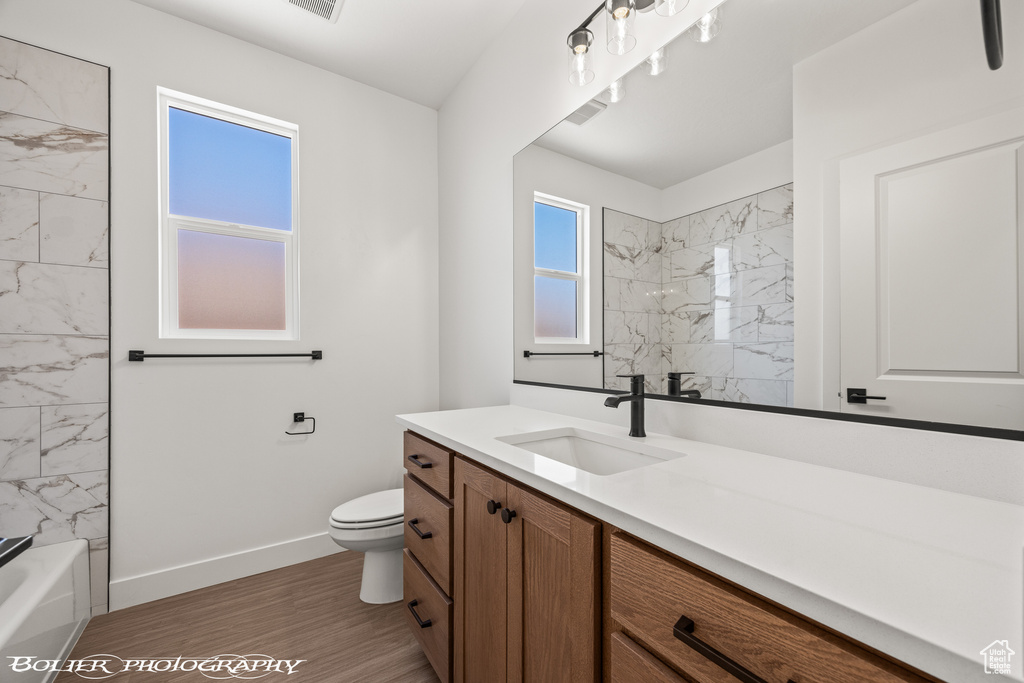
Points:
(693, 562)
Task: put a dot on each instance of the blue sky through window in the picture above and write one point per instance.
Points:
(228, 172)
(554, 237)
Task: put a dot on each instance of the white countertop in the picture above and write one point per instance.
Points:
(927, 576)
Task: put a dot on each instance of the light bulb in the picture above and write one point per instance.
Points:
(656, 62)
(616, 91)
(580, 70)
(667, 8)
(707, 27)
(619, 26)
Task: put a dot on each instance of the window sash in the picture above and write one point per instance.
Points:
(171, 224)
(581, 276)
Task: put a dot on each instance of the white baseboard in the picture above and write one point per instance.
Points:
(136, 590)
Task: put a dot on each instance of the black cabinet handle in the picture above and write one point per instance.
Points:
(422, 465)
(493, 506)
(424, 536)
(860, 396)
(412, 608)
(507, 515)
(683, 630)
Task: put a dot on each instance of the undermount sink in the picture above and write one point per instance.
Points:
(595, 453)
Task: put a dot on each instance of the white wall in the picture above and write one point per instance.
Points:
(764, 170)
(205, 484)
(920, 70)
(517, 90)
(541, 170)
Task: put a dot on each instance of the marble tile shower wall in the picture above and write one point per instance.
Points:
(723, 302)
(54, 307)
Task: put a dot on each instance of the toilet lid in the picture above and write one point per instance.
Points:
(376, 509)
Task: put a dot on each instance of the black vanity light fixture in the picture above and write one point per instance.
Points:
(619, 37)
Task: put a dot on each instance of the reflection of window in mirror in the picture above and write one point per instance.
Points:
(560, 279)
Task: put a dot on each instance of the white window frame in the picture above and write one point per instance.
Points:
(582, 277)
(170, 224)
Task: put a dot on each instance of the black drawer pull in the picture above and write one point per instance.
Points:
(683, 630)
(507, 515)
(412, 608)
(424, 536)
(422, 465)
(493, 506)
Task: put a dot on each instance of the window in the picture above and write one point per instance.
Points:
(560, 285)
(229, 222)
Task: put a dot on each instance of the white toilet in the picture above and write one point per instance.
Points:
(374, 525)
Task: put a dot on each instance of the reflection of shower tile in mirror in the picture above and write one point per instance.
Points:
(686, 295)
(764, 360)
(775, 207)
(675, 234)
(723, 222)
(628, 327)
(19, 224)
(631, 359)
(789, 282)
(724, 324)
(700, 383)
(73, 230)
(633, 232)
(749, 287)
(712, 360)
(691, 261)
(775, 322)
(790, 399)
(675, 327)
(767, 392)
(769, 247)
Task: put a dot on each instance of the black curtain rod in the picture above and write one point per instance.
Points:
(595, 354)
(142, 355)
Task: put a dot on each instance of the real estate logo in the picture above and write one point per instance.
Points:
(997, 657)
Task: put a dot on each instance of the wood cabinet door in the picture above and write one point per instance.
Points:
(480, 576)
(553, 592)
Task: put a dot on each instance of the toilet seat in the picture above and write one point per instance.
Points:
(372, 511)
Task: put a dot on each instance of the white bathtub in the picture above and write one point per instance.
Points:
(44, 605)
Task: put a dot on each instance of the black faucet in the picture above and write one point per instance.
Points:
(675, 386)
(635, 397)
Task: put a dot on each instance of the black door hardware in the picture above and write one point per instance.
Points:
(421, 465)
(992, 29)
(860, 396)
(493, 506)
(507, 515)
(424, 536)
(412, 608)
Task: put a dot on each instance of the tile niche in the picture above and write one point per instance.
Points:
(54, 302)
(709, 293)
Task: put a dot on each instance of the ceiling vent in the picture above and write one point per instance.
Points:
(325, 9)
(586, 112)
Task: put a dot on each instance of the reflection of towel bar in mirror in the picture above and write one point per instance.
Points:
(136, 355)
(595, 354)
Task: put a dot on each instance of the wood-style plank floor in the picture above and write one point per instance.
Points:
(308, 611)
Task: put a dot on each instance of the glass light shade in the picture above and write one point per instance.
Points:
(707, 27)
(656, 62)
(667, 8)
(619, 26)
(581, 71)
(616, 91)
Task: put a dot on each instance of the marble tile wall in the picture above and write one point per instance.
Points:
(724, 299)
(54, 302)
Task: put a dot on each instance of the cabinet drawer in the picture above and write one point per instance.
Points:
(650, 592)
(432, 464)
(432, 546)
(424, 599)
(633, 664)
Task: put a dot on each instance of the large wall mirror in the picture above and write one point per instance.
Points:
(819, 209)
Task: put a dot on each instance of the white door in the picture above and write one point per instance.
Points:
(931, 239)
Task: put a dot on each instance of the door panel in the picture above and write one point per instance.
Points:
(931, 235)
